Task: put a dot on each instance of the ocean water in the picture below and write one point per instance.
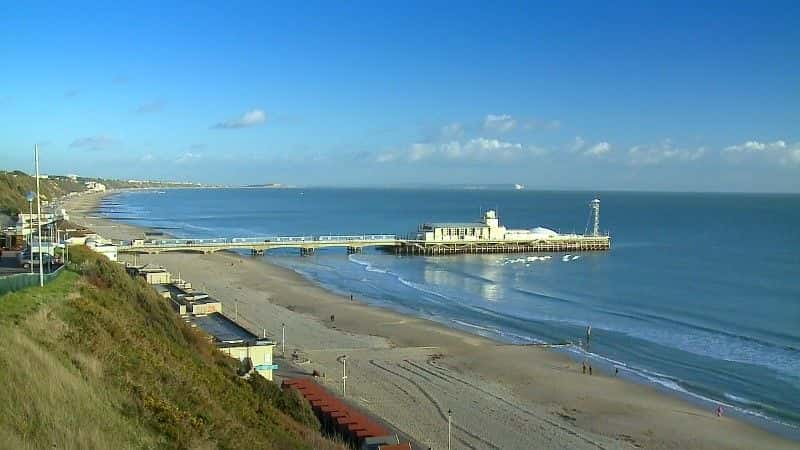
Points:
(699, 295)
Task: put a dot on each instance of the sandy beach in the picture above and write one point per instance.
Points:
(411, 371)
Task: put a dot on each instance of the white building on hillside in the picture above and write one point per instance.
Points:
(94, 186)
(109, 250)
(26, 222)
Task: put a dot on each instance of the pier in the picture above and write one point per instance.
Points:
(308, 245)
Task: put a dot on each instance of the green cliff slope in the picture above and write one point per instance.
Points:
(98, 360)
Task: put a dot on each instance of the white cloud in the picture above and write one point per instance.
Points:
(420, 151)
(188, 157)
(478, 149)
(499, 123)
(776, 151)
(666, 152)
(598, 150)
(386, 157)
(99, 142)
(147, 158)
(248, 119)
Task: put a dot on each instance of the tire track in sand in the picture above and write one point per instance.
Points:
(445, 372)
(439, 409)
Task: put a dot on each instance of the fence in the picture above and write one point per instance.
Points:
(19, 281)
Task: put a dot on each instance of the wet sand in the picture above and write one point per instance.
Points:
(411, 371)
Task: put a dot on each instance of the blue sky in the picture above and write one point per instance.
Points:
(675, 96)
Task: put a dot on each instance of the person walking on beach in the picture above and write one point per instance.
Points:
(584, 367)
(590, 369)
(351, 297)
(719, 411)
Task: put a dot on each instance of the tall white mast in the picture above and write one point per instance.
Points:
(595, 205)
(38, 216)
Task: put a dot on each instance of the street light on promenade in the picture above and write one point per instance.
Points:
(449, 423)
(343, 359)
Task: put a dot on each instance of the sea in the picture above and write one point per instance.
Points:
(699, 295)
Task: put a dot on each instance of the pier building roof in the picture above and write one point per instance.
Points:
(455, 225)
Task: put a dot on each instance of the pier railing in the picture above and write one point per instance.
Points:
(258, 240)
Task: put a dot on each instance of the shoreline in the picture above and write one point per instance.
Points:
(494, 387)
(573, 353)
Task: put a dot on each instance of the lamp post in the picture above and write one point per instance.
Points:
(449, 423)
(343, 358)
(31, 195)
(38, 216)
(283, 340)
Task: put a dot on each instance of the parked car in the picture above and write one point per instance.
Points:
(25, 259)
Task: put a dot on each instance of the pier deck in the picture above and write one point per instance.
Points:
(355, 243)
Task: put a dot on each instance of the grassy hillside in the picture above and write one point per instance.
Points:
(98, 360)
(14, 186)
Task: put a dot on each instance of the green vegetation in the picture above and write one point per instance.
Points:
(14, 187)
(98, 360)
